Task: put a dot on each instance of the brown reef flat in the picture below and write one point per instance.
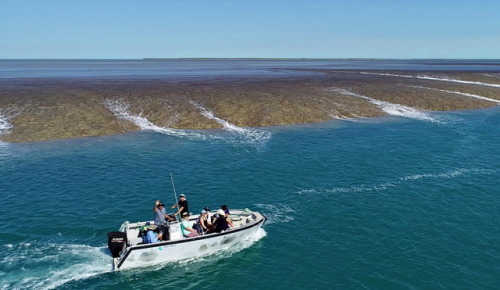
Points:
(49, 108)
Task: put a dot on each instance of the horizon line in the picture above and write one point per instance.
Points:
(254, 58)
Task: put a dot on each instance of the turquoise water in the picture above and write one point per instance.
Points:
(382, 203)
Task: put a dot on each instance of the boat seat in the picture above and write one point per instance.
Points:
(235, 217)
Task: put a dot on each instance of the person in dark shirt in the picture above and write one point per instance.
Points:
(223, 222)
(225, 209)
(182, 205)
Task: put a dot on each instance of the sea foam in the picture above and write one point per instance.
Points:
(426, 77)
(461, 93)
(389, 108)
(397, 182)
(48, 266)
(251, 135)
(120, 109)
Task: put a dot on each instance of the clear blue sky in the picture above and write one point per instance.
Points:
(250, 28)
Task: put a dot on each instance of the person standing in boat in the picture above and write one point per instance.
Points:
(160, 218)
(182, 206)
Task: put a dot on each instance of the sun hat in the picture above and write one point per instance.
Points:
(182, 195)
(221, 212)
(203, 211)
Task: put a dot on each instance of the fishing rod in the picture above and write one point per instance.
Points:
(175, 194)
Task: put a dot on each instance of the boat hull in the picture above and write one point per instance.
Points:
(184, 248)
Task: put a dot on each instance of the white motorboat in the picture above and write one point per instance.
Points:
(129, 251)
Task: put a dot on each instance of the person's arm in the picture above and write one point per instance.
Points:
(203, 225)
(229, 221)
(156, 205)
(168, 217)
(180, 210)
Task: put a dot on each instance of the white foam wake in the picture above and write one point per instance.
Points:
(120, 109)
(48, 266)
(462, 94)
(389, 108)
(277, 213)
(251, 135)
(5, 116)
(402, 180)
(426, 77)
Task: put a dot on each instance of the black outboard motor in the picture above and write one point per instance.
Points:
(116, 241)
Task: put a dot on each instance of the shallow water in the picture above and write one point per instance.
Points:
(391, 202)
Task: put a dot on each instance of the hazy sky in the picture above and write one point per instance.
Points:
(250, 28)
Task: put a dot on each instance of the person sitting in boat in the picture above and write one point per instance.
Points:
(186, 228)
(205, 223)
(225, 209)
(151, 235)
(223, 222)
(182, 206)
(160, 218)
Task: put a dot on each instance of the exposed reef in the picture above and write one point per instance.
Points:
(35, 109)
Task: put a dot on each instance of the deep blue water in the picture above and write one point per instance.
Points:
(196, 68)
(383, 203)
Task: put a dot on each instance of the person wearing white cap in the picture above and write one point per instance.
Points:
(182, 205)
(222, 222)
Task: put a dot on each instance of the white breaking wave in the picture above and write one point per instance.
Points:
(246, 136)
(389, 108)
(5, 116)
(425, 77)
(462, 94)
(399, 181)
(252, 135)
(120, 109)
(4, 124)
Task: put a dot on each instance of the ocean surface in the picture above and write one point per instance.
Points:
(406, 201)
(198, 68)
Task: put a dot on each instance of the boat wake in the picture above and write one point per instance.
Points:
(47, 266)
(120, 109)
(397, 182)
(250, 135)
(433, 78)
(277, 214)
(389, 108)
(460, 93)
